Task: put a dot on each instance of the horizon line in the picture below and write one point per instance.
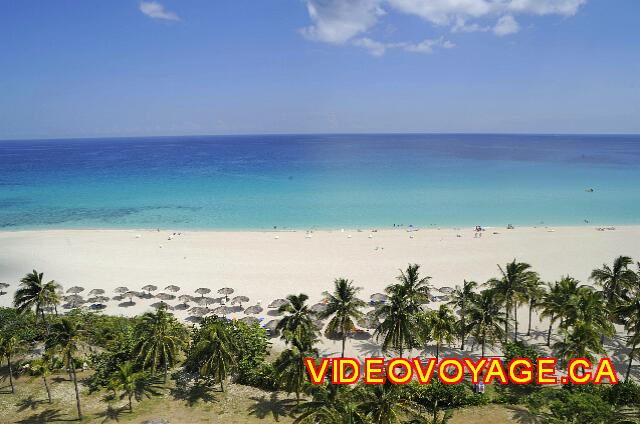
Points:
(119, 137)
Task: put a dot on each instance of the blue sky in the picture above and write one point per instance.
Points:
(120, 68)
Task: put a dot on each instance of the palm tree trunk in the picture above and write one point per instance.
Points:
(75, 386)
(633, 350)
(13, 390)
(344, 341)
(130, 402)
(46, 386)
(530, 313)
(506, 324)
(222, 384)
(462, 335)
(482, 355)
(549, 331)
(437, 352)
(166, 371)
(515, 319)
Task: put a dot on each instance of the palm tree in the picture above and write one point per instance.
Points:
(216, 352)
(554, 303)
(615, 281)
(534, 292)
(486, 319)
(345, 308)
(510, 286)
(291, 369)
(582, 340)
(8, 347)
(34, 293)
(631, 313)
(298, 322)
(65, 337)
(399, 326)
(385, 404)
(416, 290)
(40, 368)
(161, 338)
(133, 384)
(440, 326)
(331, 405)
(461, 298)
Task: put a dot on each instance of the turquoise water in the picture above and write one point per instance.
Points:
(319, 181)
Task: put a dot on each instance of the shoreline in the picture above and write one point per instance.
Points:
(267, 265)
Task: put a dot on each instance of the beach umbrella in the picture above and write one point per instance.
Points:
(446, 290)
(272, 325)
(226, 291)
(3, 286)
(75, 290)
(97, 307)
(159, 305)
(165, 296)
(130, 294)
(203, 290)
(199, 311)
(379, 298)
(98, 299)
(318, 308)
(278, 303)
(73, 298)
(150, 288)
(118, 298)
(204, 300)
(239, 300)
(72, 305)
(194, 319)
(185, 298)
(252, 310)
(96, 292)
(172, 288)
(222, 310)
(250, 320)
(121, 290)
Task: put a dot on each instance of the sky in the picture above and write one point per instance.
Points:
(91, 68)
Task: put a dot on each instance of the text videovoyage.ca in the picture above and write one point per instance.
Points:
(454, 371)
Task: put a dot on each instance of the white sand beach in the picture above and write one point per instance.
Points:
(269, 265)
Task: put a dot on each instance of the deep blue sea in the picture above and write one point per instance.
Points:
(319, 181)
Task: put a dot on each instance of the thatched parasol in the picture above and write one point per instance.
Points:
(2, 287)
(172, 288)
(278, 303)
(159, 305)
(226, 291)
(97, 307)
(239, 300)
(379, 298)
(446, 290)
(96, 292)
(272, 325)
(75, 290)
(250, 320)
(203, 290)
(222, 310)
(98, 299)
(318, 308)
(165, 296)
(253, 310)
(204, 300)
(75, 298)
(121, 289)
(150, 288)
(185, 298)
(199, 311)
(194, 319)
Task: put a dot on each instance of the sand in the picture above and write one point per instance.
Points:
(269, 265)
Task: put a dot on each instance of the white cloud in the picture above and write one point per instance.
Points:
(352, 21)
(506, 25)
(427, 46)
(157, 11)
(337, 21)
(376, 48)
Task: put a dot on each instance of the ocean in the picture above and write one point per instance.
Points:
(320, 181)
